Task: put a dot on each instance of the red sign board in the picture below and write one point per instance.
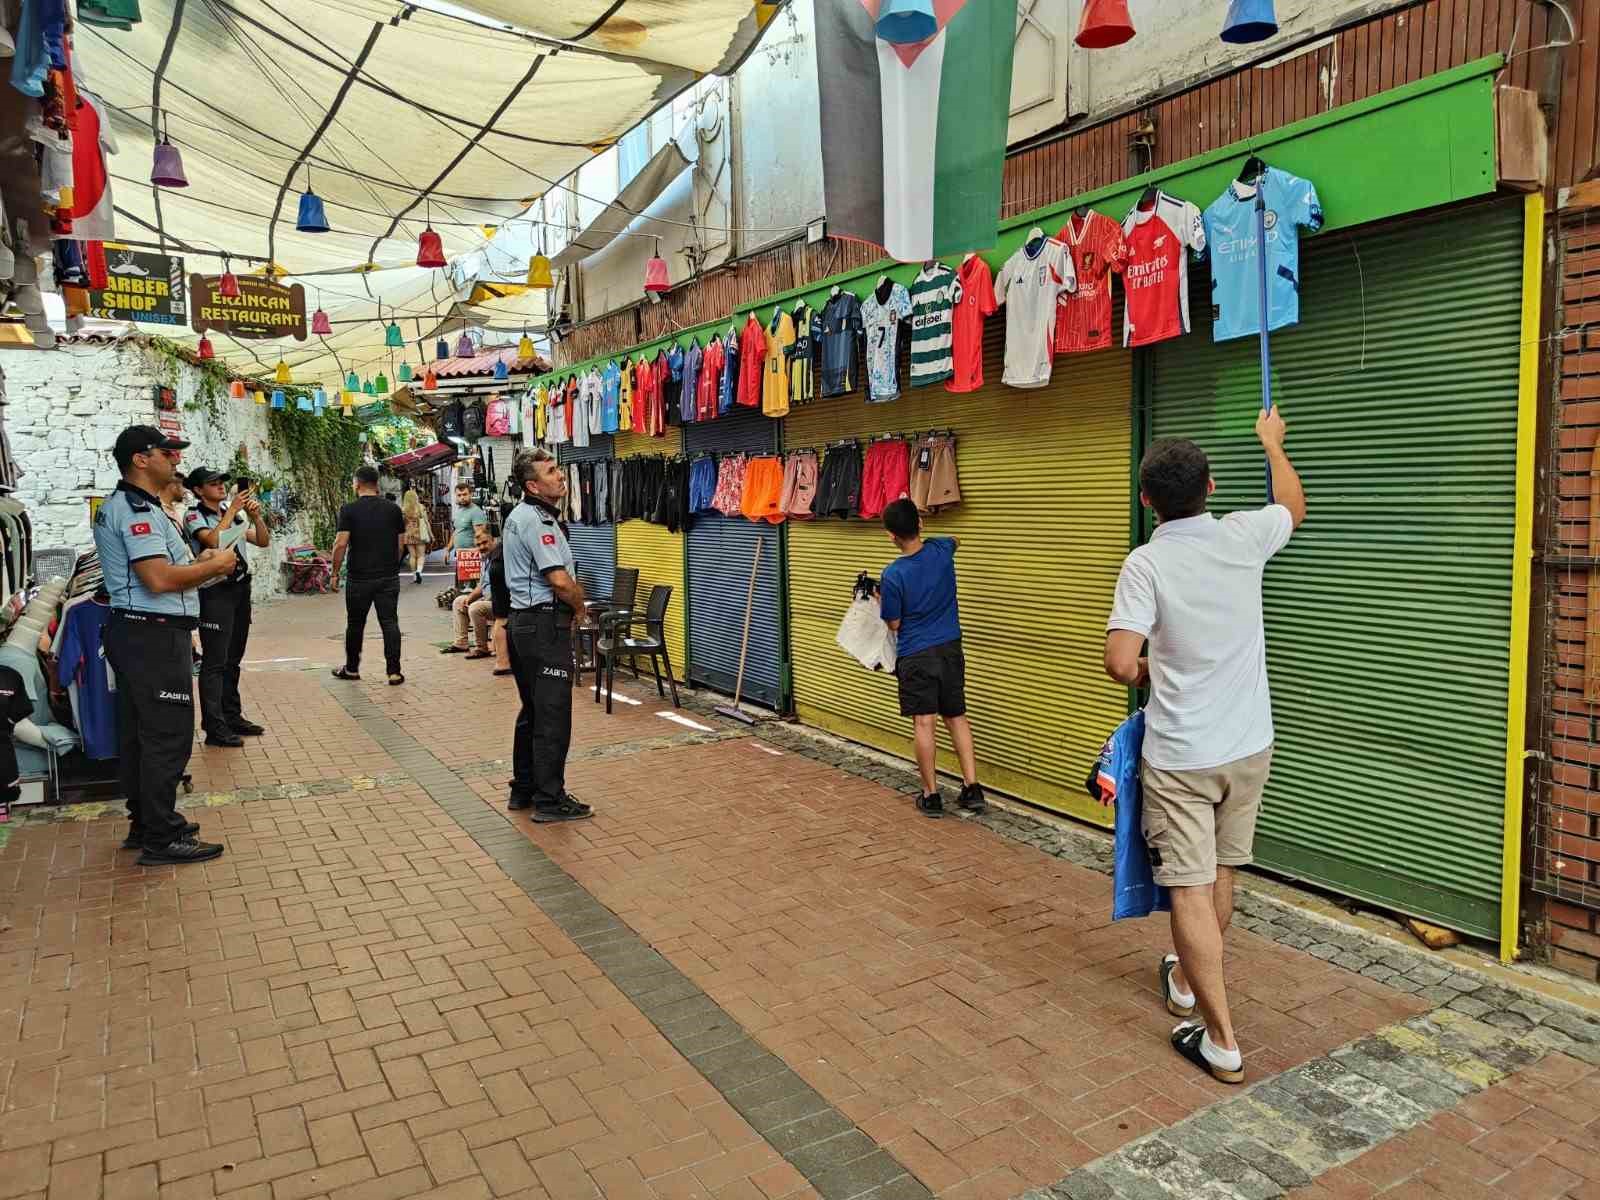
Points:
(469, 566)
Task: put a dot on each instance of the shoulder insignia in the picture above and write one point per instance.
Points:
(139, 528)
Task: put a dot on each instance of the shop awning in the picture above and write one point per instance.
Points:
(664, 166)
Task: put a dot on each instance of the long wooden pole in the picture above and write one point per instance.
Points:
(749, 604)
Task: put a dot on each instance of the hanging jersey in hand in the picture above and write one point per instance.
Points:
(1115, 780)
(1156, 279)
(1230, 225)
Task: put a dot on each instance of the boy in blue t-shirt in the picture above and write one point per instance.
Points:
(918, 602)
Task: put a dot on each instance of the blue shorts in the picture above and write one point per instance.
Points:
(702, 484)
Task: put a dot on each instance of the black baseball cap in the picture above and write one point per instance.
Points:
(201, 476)
(141, 439)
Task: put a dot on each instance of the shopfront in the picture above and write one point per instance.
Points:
(655, 551)
(594, 546)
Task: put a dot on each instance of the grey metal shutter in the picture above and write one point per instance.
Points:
(594, 546)
(1388, 616)
(721, 552)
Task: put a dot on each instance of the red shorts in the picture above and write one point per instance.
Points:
(885, 476)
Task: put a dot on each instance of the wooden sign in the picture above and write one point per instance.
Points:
(142, 287)
(262, 309)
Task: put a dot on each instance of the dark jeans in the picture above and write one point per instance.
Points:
(224, 633)
(155, 721)
(359, 596)
(541, 661)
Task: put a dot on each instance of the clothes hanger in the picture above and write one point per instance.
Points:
(1035, 241)
(968, 257)
(1252, 170)
(1147, 199)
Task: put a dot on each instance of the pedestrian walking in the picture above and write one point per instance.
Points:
(371, 532)
(466, 517)
(1194, 592)
(917, 598)
(419, 531)
(152, 576)
(545, 596)
(225, 609)
(474, 610)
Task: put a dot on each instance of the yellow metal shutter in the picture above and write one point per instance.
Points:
(1043, 526)
(656, 552)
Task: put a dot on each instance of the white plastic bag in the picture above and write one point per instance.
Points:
(864, 636)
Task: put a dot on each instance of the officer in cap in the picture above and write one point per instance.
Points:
(224, 605)
(151, 576)
(541, 576)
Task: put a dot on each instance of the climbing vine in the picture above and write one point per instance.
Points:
(321, 452)
(211, 375)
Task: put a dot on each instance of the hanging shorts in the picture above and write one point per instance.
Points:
(702, 484)
(730, 485)
(886, 477)
(934, 483)
(799, 485)
(839, 485)
(763, 490)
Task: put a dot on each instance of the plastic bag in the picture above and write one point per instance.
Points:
(1114, 779)
(862, 634)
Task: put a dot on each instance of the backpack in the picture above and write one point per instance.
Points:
(472, 423)
(497, 421)
(451, 420)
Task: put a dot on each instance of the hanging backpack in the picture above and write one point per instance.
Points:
(472, 422)
(497, 420)
(451, 421)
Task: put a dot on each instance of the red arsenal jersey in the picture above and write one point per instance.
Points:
(752, 362)
(966, 325)
(1083, 317)
(1156, 279)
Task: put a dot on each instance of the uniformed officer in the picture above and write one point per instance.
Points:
(151, 576)
(541, 576)
(224, 605)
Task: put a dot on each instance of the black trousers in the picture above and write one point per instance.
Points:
(360, 595)
(541, 660)
(155, 721)
(224, 633)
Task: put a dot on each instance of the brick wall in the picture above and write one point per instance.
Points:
(1565, 821)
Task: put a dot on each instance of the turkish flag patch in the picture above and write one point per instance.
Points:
(141, 529)
(549, 539)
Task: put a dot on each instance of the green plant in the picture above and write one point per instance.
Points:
(321, 451)
(211, 376)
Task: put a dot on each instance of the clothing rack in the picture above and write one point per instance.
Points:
(846, 443)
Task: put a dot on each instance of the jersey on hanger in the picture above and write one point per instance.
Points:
(1156, 280)
(1029, 285)
(1230, 224)
(1098, 249)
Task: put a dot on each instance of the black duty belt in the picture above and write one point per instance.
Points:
(145, 618)
(561, 610)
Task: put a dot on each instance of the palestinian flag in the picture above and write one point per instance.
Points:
(914, 134)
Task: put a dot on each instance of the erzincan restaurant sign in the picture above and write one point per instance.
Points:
(262, 309)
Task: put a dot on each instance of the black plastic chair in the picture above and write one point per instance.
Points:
(624, 593)
(617, 641)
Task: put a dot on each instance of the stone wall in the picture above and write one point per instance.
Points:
(64, 409)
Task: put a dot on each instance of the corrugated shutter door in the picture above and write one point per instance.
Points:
(593, 546)
(655, 551)
(721, 553)
(1043, 528)
(1388, 615)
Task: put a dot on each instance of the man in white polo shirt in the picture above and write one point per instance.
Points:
(1194, 591)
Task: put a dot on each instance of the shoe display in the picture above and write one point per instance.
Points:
(178, 853)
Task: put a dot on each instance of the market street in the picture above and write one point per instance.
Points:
(754, 974)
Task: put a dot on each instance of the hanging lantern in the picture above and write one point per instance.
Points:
(381, 384)
(405, 372)
(312, 218)
(655, 272)
(906, 22)
(352, 382)
(501, 371)
(303, 402)
(282, 374)
(539, 272)
(349, 401)
(228, 285)
(442, 349)
(320, 323)
(394, 337)
(236, 389)
(205, 350)
(166, 168)
(430, 381)
(430, 249)
(464, 346)
(278, 400)
(1249, 21)
(368, 389)
(261, 397)
(319, 400)
(525, 346)
(1105, 23)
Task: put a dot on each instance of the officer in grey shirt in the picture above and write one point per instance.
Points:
(152, 578)
(541, 576)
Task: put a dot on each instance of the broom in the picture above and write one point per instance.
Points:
(733, 712)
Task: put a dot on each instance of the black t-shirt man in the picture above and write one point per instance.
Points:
(375, 526)
(499, 592)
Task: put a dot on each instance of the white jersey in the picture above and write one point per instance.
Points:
(1029, 285)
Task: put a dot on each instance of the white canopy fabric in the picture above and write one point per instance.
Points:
(396, 116)
(664, 166)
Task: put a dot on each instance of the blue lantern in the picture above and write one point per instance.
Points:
(393, 336)
(278, 400)
(352, 382)
(907, 22)
(405, 372)
(1249, 21)
(303, 402)
(368, 388)
(442, 349)
(501, 371)
(312, 219)
(319, 400)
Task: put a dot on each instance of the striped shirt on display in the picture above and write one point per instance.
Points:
(934, 294)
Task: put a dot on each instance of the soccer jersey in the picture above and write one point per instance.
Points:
(625, 414)
(690, 362)
(752, 362)
(1230, 226)
(1083, 319)
(710, 381)
(610, 397)
(841, 326)
(595, 400)
(728, 385)
(578, 411)
(672, 385)
(802, 355)
(775, 381)
(934, 294)
(974, 305)
(1029, 285)
(881, 319)
(1156, 279)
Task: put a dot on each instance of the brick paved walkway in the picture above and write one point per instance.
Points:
(753, 975)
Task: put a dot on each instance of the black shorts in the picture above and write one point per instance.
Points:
(839, 485)
(933, 681)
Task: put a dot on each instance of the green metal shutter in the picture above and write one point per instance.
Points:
(1388, 616)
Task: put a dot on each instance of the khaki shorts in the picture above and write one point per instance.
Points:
(934, 484)
(1196, 821)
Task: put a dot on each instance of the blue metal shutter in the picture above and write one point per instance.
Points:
(721, 551)
(594, 546)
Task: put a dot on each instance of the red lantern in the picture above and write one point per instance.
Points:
(204, 350)
(430, 381)
(655, 275)
(430, 249)
(228, 285)
(1105, 23)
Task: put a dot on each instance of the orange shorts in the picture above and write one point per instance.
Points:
(763, 490)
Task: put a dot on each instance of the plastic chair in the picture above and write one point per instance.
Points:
(617, 641)
(624, 593)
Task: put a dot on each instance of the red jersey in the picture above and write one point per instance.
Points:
(634, 381)
(966, 325)
(705, 408)
(1083, 317)
(644, 395)
(1156, 279)
(752, 362)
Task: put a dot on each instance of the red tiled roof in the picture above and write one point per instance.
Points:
(483, 363)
